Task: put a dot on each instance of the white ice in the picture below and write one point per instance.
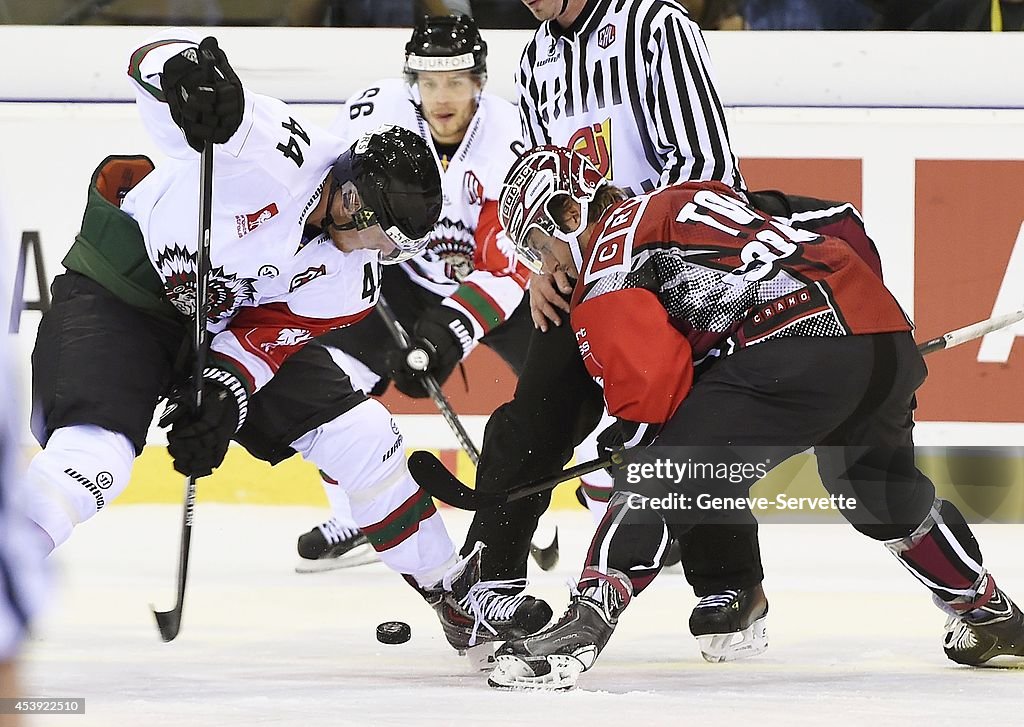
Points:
(854, 640)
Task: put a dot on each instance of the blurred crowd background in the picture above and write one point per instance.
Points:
(944, 15)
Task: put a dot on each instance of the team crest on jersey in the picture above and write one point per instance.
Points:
(244, 224)
(474, 190)
(287, 337)
(306, 276)
(226, 292)
(595, 143)
(606, 36)
(453, 244)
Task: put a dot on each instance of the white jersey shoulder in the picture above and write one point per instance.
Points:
(388, 101)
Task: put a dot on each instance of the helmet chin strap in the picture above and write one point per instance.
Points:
(576, 252)
(572, 239)
(565, 4)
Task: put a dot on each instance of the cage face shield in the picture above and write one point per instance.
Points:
(530, 197)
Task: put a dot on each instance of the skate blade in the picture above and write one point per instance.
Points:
(512, 673)
(736, 645)
(359, 555)
(479, 658)
(1002, 661)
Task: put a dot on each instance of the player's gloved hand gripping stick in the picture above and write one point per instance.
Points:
(433, 477)
(418, 359)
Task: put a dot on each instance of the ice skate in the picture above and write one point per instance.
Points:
(731, 624)
(330, 546)
(475, 614)
(994, 629)
(554, 658)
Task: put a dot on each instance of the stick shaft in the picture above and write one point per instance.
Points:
(169, 622)
(430, 383)
(969, 333)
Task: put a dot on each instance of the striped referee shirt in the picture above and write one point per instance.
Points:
(629, 85)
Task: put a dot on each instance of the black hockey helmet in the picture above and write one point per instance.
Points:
(445, 43)
(399, 184)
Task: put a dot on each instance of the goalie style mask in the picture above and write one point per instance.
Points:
(532, 190)
(445, 43)
(399, 186)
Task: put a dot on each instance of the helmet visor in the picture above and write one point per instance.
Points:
(404, 247)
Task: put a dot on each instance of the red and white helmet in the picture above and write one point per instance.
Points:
(538, 178)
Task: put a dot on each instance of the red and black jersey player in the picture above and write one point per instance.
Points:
(744, 341)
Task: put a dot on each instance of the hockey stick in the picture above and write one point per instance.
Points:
(169, 622)
(417, 361)
(969, 333)
(434, 477)
(545, 557)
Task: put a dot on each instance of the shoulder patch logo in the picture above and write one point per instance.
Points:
(606, 36)
(244, 224)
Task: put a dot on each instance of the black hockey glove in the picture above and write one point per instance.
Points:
(441, 338)
(203, 94)
(199, 440)
(621, 435)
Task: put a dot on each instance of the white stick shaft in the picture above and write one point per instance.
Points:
(969, 333)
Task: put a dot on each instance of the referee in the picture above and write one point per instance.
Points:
(628, 83)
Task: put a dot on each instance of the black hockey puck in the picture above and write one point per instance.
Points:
(393, 632)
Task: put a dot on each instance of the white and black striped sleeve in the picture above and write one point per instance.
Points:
(534, 127)
(684, 113)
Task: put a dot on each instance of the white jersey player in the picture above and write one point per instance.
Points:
(301, 224)
(466, 288)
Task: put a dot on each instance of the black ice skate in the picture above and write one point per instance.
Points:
(329, 546)
(731, 625)
(554, 658)
(994, 629)
(475, 614)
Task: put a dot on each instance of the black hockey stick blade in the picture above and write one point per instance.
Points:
(435, 478)
(546, 558)
(168, 622)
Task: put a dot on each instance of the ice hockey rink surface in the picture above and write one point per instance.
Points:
(854, 639)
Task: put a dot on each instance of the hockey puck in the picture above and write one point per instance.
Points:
(393, 632)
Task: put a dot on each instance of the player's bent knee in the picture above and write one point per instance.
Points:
(359, 449)
(81, 470)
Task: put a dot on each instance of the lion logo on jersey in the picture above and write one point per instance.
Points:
(287, 337)
(226, 292)
(595, 143)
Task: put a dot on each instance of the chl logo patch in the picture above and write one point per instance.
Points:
(606, 36)
(244, 224)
